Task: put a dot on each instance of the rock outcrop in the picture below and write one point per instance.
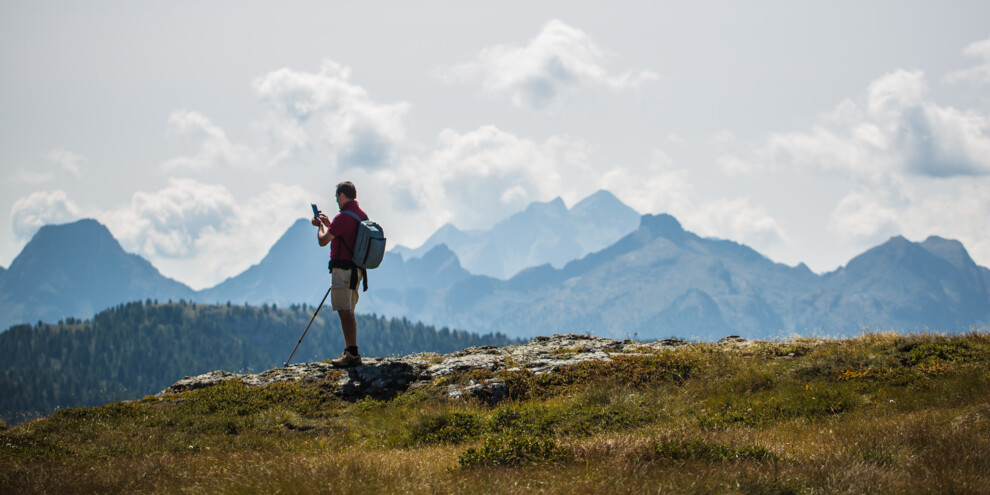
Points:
(383, 378)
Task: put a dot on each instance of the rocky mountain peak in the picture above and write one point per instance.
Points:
(663, 225)
(950, 250)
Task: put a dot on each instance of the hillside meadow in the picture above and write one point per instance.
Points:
(880, 413)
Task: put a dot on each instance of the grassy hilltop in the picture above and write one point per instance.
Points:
(881, 413)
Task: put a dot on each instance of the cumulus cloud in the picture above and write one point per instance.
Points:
(959, 213)
(326, 107)
(198, 232)
(36, 210)
(559, 61)
(980, 74)
(899, 150)
(478, 177)
(659, 187)
(166, 223)
(739, 220)
(866, 217)
(898, 129)
(655, 187)
(215, 148)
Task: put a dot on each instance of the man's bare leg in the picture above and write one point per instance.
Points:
(349, 327)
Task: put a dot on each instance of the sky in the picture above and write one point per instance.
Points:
(198, 132)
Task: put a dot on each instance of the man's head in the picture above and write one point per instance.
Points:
(345, 192)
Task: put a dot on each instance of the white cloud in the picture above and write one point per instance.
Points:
(66, 160)
(559, 61)
(979, 74)
(865, 217)
(215, 148)
(914, 167)
(322, 113)
(199, 233)
(897, 130)
(738, 220)
(475, 178)
(327, 108)
(32, 212)
(651, 188)
(166, 223)
(659, 188)
(868, 216)
(961, 213)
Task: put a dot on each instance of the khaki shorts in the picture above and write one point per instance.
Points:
(342, 297)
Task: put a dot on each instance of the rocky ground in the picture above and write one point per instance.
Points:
(382, 378)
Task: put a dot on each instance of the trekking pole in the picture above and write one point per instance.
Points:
(307, 328)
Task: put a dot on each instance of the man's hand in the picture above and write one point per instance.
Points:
(323, 219)
(323, 234)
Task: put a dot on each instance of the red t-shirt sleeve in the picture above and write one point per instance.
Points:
(337, 226)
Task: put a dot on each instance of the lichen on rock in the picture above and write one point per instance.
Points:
(384, 378)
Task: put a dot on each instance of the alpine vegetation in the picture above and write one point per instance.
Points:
(879, 413)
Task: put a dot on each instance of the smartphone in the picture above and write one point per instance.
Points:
(316, 211)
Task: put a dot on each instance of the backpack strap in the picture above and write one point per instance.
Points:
(349, 265)
(355, 215)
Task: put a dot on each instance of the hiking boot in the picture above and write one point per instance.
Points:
(346, 360)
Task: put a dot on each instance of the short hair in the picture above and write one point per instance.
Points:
(348, 189)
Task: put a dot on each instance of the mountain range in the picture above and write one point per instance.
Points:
(657, 280)
(543, 233)
(664, 281)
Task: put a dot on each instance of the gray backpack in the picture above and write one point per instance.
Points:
(369, 248)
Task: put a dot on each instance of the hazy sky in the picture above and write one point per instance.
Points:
(199, 131)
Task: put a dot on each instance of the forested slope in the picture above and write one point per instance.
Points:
(136, 349)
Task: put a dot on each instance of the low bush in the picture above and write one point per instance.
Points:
(700, 450)
(446, 428)
(944, 350)
(635, 371)
(811, 402)
(512, 450)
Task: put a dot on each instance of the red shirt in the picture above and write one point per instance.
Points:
(344, 227)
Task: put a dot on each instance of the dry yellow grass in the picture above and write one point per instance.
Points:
(753, 420)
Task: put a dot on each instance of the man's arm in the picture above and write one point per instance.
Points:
(323, 235)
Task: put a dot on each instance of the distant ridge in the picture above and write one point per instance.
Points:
(661, 281)
(657, 281)
(545, 232)
(77, 269)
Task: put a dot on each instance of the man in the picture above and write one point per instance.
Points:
(341, 234)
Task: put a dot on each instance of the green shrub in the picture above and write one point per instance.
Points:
(235, 398)
(770, 350)
(944, 350)
(110, 412)
(586, 421)
(446, 428)
(811, 402)
(532, 420)
(833, 362)
(700, 450)
(635, 371)
(513, 450)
